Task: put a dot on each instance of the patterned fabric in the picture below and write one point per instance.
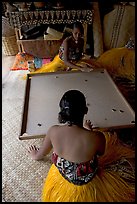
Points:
(118, 26)
(127, 88)
(21, 61)
(17, 19)
(125, 169)
(74, 50)
(76, 173)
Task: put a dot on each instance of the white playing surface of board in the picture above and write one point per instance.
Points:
(107, 107)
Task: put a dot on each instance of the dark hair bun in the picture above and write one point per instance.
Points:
(73, 107)
(64, 116)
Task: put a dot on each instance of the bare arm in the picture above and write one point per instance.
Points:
(69, 63)
(100, 138)
(39, 153)
(101, 143)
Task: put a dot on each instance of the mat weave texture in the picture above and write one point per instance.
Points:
(22, 178)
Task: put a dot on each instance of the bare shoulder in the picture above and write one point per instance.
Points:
(100, 136)
(65, 43)
(52, 129)
(101, 142)
(67, 40)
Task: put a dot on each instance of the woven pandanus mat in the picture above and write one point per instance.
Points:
(22, 177)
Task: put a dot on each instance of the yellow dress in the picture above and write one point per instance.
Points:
(110, 184)
(58, 65)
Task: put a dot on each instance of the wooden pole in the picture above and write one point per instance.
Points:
(97, 31)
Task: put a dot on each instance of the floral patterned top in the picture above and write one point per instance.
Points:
(75, 50)
(76, 173)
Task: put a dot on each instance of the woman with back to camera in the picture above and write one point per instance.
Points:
(83, 159)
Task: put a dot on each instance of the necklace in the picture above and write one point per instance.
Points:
(76, 41)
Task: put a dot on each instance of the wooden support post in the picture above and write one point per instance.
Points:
(19, 43)
(97, 31)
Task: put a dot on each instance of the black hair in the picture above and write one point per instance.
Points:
(73, 108)
(78, 25)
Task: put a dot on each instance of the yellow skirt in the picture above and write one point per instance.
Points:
(58, 65)
(108, 185)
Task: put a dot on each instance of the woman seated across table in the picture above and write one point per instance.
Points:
(88, 165)
(70, 55)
